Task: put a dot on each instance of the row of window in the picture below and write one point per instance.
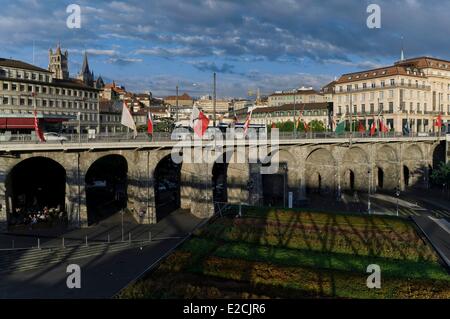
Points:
(404, 94)
(83, 116)
(291, 113)
(382, 84)
(27, 75)
(7, 86)
(110, 118)
(6, 100)
(371, 108)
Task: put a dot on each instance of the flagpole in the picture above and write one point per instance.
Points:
(295, 123)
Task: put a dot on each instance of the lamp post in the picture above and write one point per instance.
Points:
(79, 127)
(368, 192)
(397, 193)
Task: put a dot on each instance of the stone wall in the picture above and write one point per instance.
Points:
(310, 168)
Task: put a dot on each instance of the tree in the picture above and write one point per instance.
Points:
(441, 175)
(317, 126)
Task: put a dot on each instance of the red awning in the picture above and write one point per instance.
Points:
(17, 123)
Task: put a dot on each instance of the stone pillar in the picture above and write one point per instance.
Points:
(241, 183)
(196, 189)
(4, 205)
(75, 194)
(140, 186)
(3, 213)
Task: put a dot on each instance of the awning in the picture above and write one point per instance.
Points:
(16, 123)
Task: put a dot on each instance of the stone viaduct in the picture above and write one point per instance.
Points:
(328, 166)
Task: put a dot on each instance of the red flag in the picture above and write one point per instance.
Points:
(438, 121)
(373, 128)
(149, 123)
(247, 122)
(361, 128)
(37, 129)
(383, 128)
(199, 122)
(305, 126)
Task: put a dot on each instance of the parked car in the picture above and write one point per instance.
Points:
(52, 136)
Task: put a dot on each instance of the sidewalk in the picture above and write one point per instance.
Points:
(177, 224)
(438, 236)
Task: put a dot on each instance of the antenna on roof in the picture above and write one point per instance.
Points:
(402, 54)
(33, 52)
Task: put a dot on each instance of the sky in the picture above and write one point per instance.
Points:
(155, 45)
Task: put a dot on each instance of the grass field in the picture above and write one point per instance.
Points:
(288, 254)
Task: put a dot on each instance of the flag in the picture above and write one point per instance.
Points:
(340, 127)
(438, 121)
(406, 128)
(305, 126)
(127, 119)
(37, 129)
(383, 128)
(361, 128)
(149, 123)
(373, 128)
(199, 122)
(247, 122)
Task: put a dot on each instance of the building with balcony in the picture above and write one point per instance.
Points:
(56, 97)
(278, 114)
(411, 93)
(301, 95)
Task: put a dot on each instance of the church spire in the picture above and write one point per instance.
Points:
(85, 67)
(402, 54)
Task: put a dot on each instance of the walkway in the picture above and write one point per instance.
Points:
(437, 232)
(102, 276)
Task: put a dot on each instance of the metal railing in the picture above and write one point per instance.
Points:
(166, 137)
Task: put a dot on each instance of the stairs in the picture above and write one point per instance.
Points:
(26, 259)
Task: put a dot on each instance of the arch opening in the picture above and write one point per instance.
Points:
(167, 177)
(106, 187)
(275, 186)
(36, 191)
(406, 176)
(219, 182)
(380, 178)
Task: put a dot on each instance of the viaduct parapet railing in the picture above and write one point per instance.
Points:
(16, 143)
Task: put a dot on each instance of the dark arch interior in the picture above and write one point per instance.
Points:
(351, 180)
(219, 182)
(406, 175)
(380, 178)
(167, 178)
(34, 186)
(106, 187)
(275, 186)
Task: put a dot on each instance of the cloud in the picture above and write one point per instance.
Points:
(269, 36)
(212, 67)
(123, 61)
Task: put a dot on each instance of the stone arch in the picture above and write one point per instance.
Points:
(354, 168)
(386, 160)
(413, 160)
(166, 187)
(320, 171)
(106, 183)
(286, 178)
(35, 183)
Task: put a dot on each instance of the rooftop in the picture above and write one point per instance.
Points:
(21, 65)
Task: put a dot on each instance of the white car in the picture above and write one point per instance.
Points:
(51, 136)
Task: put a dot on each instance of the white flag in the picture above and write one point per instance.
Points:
(127, 119)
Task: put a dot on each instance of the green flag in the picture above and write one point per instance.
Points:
(340, 127)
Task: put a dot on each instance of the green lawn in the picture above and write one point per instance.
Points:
(294, 254)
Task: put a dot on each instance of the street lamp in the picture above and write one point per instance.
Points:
(397, 193)
(79, 127)
(368, 192)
